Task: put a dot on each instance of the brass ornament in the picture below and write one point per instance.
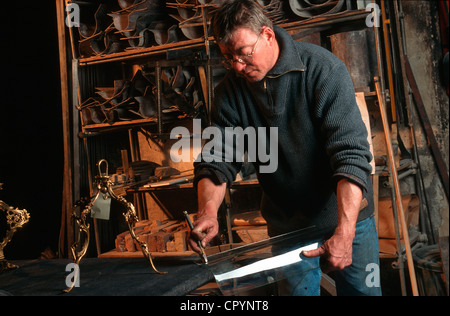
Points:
(15, 219)
(104, 188)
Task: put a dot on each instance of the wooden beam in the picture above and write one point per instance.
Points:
(66, 231)
(398, 195)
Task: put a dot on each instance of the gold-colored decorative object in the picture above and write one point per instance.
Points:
(104, 192)
(15, 219)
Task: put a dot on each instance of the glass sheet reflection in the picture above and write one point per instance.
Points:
(241, 270)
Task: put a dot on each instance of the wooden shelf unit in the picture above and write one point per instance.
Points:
(156, 56)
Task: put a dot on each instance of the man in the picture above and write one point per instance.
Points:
(323, 174)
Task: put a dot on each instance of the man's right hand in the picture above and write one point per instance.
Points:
(206, 227)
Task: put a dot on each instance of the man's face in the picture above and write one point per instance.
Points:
(260, 47)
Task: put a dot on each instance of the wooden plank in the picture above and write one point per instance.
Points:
(180, 241)
(251, 234)
(252, 218)
(398, 195)
(120, 123)
(189, 253)
(144, 52)
(389, 62)
(411, 205)
(139, 254)
(66, 238)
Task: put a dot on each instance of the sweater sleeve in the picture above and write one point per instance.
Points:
(342, 127)
(214, 159)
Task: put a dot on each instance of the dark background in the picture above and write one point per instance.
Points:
(31, 143)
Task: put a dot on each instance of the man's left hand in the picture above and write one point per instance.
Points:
(335, 253)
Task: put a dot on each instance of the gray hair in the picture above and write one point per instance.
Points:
(238, 13)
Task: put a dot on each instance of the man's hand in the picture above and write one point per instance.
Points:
(205, 229)
(335, 253)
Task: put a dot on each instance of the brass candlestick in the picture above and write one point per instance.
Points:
(15, 219)
(104, 191)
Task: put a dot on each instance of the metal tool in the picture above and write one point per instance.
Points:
(191, 226)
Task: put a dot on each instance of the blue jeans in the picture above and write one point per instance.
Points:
(359, 279)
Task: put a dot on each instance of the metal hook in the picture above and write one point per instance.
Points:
(99, 168)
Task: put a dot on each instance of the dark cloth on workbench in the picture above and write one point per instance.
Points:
(309, 97)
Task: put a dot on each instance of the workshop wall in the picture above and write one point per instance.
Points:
(425, 48)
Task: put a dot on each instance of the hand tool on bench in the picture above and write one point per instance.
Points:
(191, 226)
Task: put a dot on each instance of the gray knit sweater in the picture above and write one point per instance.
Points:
(309, 97)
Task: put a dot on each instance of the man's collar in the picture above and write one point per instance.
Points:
(289, 59)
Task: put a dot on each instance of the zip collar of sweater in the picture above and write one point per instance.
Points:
(289, 59)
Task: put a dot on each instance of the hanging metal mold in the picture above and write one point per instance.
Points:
(190, 16)
(274, 9)
(136, 21)
(93, 23)
(91, 112)
(313, 8)
(96, 32)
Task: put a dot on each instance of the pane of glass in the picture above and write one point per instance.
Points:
(238, 271)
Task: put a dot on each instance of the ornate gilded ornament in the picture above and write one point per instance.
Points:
(15, 219)
(104, 191)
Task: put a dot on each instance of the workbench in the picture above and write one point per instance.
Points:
(105, 277)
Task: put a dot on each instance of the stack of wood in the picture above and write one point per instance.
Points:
(250, 226)
(386, 222)
(166, 236)
(171, 236)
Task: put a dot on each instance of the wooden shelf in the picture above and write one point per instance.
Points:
(143, 52)
(139, 254)
(94, 129)
(325, 20)
(88, 130)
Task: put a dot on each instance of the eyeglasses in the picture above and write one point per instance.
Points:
(244, 59)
